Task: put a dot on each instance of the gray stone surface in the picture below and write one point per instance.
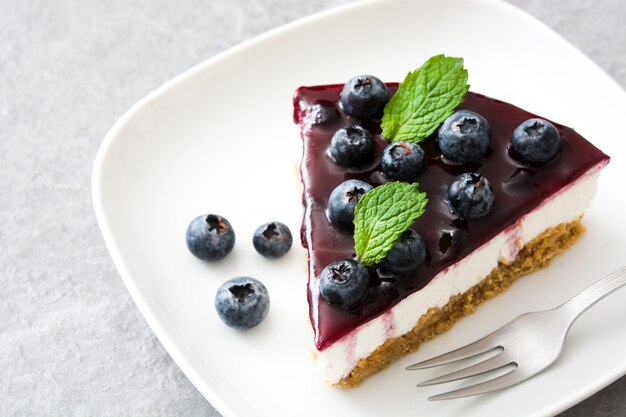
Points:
(71, 340)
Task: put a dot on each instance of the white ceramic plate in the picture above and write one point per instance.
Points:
(220, 138)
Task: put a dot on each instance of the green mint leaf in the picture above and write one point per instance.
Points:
(425, 98)
(382, 215)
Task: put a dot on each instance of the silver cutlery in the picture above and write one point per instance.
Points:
(522, 348)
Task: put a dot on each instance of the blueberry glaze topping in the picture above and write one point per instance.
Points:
(518, 189)
(320, 115)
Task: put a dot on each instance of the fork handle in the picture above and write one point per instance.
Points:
(588, 297)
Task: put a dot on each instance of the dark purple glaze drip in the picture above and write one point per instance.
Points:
(518, 189)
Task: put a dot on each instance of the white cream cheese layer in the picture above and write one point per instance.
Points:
(338, 359)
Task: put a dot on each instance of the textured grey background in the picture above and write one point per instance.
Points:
(71, 340)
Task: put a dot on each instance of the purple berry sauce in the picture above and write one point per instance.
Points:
(518, 190)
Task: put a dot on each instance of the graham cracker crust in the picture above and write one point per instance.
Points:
(534, 255)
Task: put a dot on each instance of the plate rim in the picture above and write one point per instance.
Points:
(110, 138)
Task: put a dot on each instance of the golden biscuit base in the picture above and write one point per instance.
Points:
(534, 255)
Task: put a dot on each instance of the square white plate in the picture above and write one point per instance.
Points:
(219, 138)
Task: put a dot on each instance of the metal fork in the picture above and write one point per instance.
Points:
(523, 347)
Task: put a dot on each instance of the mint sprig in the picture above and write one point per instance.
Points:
(425, 98)
(382, 215)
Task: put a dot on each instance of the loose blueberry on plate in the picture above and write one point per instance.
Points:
(470, 196)
(352, 146)
(464, 136)
(242, 302)
(210, 237)
(272, 240)
(364, 97)
(343, 200)
(403, 161)
(344, 283)
(535, 141)
(406, 256)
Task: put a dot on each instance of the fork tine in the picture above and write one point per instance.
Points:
(512, 377)
(478, 347)
(491, 364)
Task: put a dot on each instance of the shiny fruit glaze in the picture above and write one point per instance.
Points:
(518, 190)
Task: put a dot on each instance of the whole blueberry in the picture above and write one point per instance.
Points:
(464, 136)
(535, 141)
(403, 161)
(344, 283)
(470, 196)
(343, 200)
(210, 237)
(364, 97)
(272, 240)
(352, 146)
(406, 256)
(242, 302)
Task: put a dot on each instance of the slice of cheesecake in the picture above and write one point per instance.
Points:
(537, 214)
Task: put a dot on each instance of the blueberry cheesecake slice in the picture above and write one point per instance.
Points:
(421, 201)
